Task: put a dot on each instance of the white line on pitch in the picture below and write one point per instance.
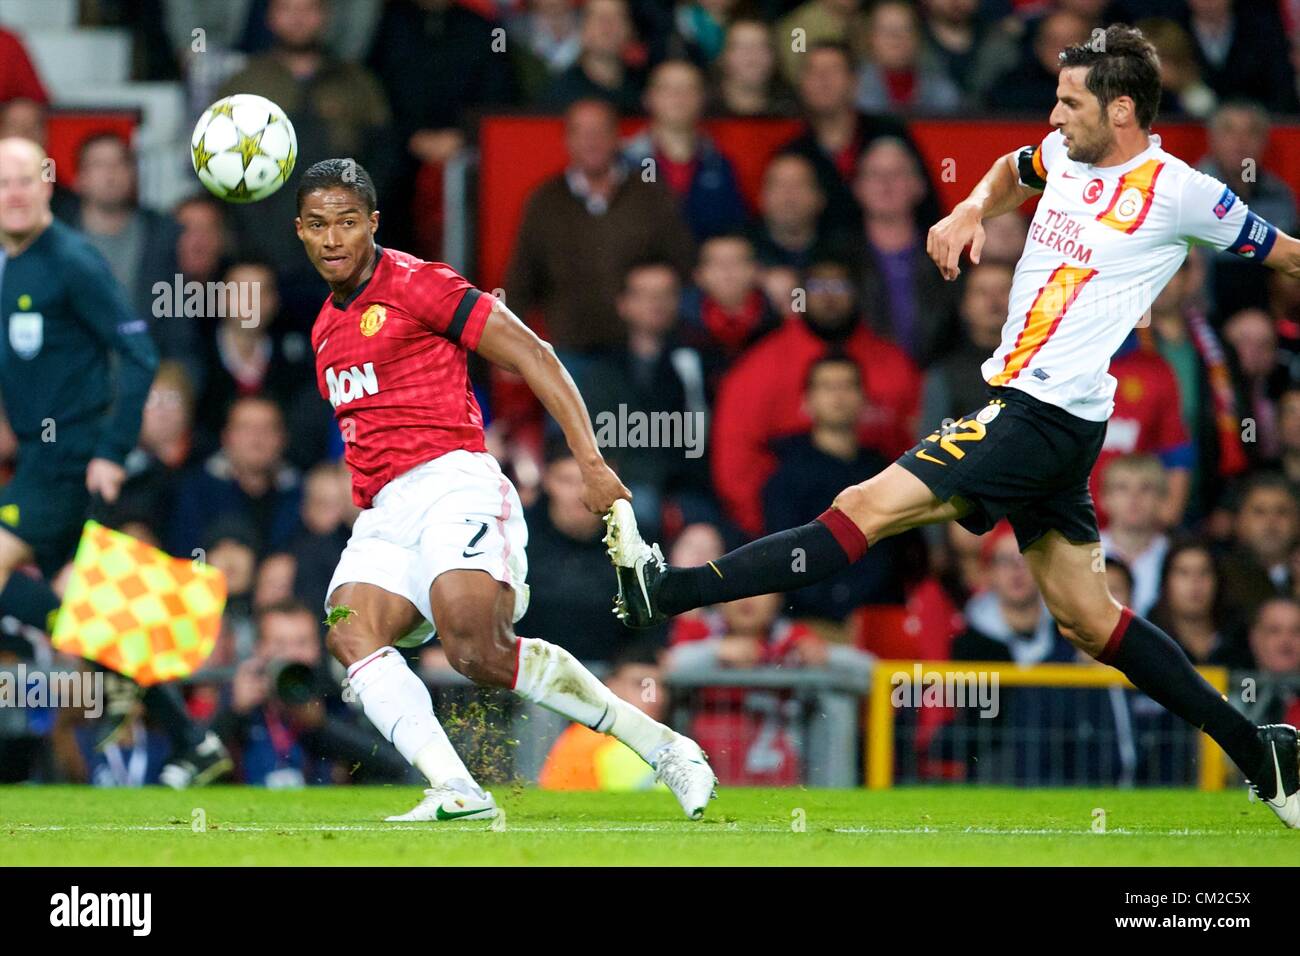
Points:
(561, 828)
(1022, 831)
(368, 828)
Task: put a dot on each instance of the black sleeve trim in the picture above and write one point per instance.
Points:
(1025, 164)
(457, 327)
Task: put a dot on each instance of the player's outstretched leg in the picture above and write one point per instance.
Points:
(1073, 583)
(397, 702)
(475, 616)
(649, 591)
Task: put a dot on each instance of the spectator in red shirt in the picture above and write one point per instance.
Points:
(725, 311)
(760, 399)
(1147, 418)
(18, 77)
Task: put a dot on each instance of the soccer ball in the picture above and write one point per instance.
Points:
(243, 148)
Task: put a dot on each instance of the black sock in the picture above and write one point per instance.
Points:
(166, 707)
(1158, 667)
(30, 600)
(785, 561)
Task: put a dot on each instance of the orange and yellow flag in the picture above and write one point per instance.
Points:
(138, 610)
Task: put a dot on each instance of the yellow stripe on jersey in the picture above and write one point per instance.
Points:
(1044, 315)
(1132, 198)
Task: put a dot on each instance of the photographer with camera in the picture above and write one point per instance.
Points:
(283, 716)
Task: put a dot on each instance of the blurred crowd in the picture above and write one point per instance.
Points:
(783, 345)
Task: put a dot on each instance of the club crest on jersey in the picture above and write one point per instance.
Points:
(989, 412)
(1129, 205)
(26, 333)
(351, 383)
(372, 320)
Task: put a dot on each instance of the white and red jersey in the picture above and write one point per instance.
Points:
(392, 362)
(1103, 243)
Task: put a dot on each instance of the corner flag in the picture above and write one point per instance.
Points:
(137, 610)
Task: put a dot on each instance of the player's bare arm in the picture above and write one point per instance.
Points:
(513, 346)
(1285, 255)
(1000, 191)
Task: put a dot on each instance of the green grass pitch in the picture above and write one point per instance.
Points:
(341, 826)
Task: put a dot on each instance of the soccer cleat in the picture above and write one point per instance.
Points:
(682, 766)
(198, 766)
(448, 802)
(638, 566)
(1279, 785)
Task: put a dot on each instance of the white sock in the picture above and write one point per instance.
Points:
(552, 677)
(399, 705)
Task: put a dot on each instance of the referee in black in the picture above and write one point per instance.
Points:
(76, 365)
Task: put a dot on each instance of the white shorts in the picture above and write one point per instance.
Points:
(455, 512)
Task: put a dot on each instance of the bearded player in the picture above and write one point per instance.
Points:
(1116, 219)
(440, 542)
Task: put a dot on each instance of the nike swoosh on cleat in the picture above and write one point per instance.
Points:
(1279, 794)
(645, 593)
(446, 815)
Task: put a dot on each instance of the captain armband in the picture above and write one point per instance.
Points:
(1255, 239)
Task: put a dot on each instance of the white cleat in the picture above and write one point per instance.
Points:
(446, 803)
(682, 766)
(637, 565)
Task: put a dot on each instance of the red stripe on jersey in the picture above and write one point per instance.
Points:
(1042, 318)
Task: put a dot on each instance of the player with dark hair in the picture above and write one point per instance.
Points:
(440, 542)
(1117, 217)
(76, 364)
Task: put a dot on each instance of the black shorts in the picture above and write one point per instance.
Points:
(46, 507)
(1017, 458)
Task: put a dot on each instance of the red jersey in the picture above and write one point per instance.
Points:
(1147, 417)
(760, 399)
(392, 362)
